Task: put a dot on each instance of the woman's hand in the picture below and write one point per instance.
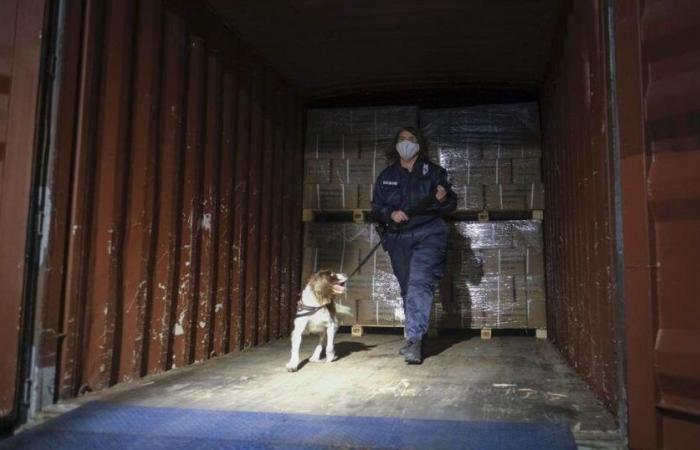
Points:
(399, 216)
(441, 194)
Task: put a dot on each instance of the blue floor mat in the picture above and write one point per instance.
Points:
(99, 425)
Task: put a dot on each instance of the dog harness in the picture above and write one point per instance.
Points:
(306, 310)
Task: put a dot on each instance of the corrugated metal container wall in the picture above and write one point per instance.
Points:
(579, 213)
(658, 68)
(21, 26)
(170, 135)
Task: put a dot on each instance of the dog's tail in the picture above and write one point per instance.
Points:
(343, 310)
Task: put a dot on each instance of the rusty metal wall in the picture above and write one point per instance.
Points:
(579, 214)
(171, 241)
(21, 27)
(658, 60)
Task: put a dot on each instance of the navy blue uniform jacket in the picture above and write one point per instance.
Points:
(398, 189)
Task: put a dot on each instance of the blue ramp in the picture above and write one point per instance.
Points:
(101, 425)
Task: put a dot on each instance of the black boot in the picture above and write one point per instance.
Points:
(413, 353)
(403, 349)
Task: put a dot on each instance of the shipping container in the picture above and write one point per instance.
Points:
(171, 171)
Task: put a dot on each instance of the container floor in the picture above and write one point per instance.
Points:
(507, 378)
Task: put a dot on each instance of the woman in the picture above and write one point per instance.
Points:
(410, 196)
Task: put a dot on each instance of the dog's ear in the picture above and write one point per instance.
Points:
(322, 289)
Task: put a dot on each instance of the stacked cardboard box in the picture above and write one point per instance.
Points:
(495, 274)
(491, 152)
(345, 151)
(496, 277)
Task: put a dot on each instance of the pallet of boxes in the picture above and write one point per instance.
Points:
(495, 268)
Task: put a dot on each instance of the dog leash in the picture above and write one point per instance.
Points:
(371, 252)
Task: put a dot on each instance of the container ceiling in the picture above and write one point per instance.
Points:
(335, 47)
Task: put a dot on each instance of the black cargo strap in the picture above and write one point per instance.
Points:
(305, 310)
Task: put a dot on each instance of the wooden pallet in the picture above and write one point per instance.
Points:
(540, 333)
(344, 215)
(358, 330)
(365, 216)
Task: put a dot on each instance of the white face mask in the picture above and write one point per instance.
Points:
(407, 149)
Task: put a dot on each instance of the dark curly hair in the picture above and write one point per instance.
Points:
(393, 156)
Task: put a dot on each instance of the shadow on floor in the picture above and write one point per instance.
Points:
(435, 346)
(343, 349)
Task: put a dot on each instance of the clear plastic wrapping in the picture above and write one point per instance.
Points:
(346, 150)
(496, 146)
(495, 274)
(355, 132)
(498, 131)
(330, 196)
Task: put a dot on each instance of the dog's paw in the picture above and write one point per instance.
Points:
(331, 357)
(292, 367)
(315, 359)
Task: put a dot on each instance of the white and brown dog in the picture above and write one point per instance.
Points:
(317, 313)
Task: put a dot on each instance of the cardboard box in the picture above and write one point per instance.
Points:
(489, 171)
(500, 149)
(369, 146)
(505, 261)
(536, 314)
(520, 288)
(336, 233)
(354, 132)
(507, 197)
(379, 314)
(330, 196)
(465, 262)
(327, 146)
(536, 289)
(514, 197)
(317, 171)
(337, 258)
(535, 262)
(527, 233)
(469, 197)
(529, 291)
(492, 302)
(535, 196)
(489, 291)
(527, 170)
(386, 287)
(364, 196)
(536, 301)
(447, 316)
(477, 235)
(382, 261)
(360, 288)
(455, 161)
(353, 171)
